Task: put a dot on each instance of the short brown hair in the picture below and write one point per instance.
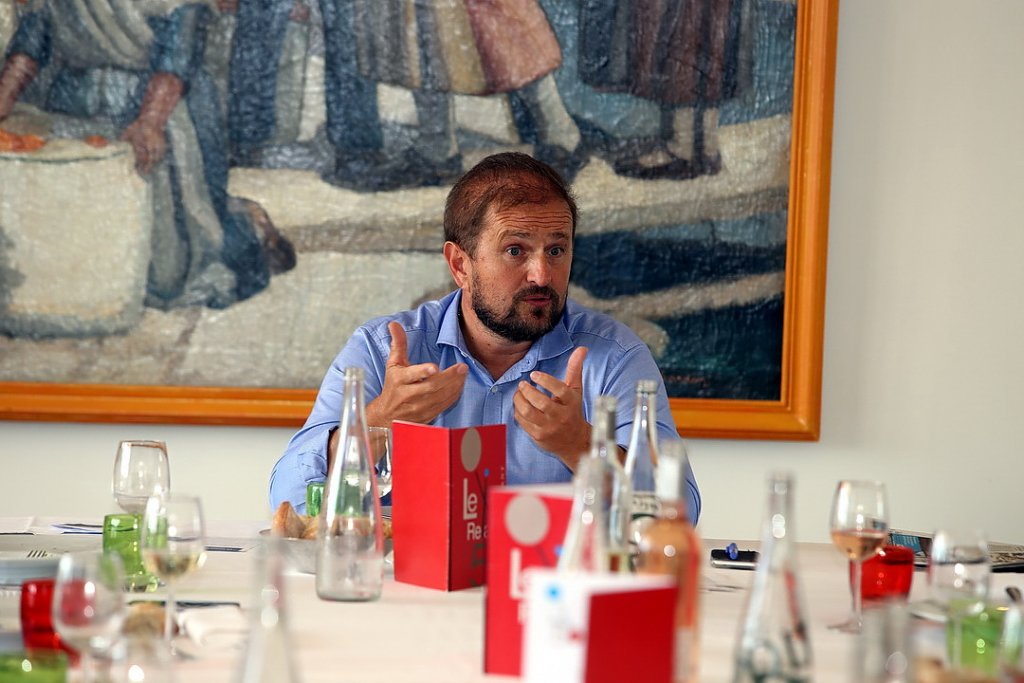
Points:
(500, 181)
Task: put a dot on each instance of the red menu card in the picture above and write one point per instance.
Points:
(439, 492)
(598, 628)
(527, 526)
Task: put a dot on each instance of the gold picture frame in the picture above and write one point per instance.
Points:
(796, 415)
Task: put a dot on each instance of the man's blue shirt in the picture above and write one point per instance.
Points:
(616, 360)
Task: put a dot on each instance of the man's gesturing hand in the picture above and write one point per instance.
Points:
(416, 393)
(556, 421)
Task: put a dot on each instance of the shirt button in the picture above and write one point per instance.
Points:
(494, 389)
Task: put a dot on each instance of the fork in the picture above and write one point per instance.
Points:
(36, 554)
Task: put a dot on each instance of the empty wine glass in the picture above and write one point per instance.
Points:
(859, 523)
(140, 471)
(172, 543)
(380, 447)
(88, 605)
(959, 569)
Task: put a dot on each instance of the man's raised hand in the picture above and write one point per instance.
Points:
(415, 393)
(555, 419)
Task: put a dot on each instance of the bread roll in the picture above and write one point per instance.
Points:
(287, 522)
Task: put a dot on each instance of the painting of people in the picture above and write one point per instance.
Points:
(217, 192)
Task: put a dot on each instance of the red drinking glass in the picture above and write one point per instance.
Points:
(888, 574)
(36, 616)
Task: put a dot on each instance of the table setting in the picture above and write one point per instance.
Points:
(156, 590)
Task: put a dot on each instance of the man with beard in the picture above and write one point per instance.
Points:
(506, 347)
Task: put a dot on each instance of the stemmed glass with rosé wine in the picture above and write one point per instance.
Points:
(859, 523)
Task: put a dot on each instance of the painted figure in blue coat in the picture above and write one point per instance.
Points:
(353, 123)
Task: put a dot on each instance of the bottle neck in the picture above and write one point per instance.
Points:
(644, 415)
(778, 512)
(643, 438)
(586, 539)
(671, 484)
(602, 432)
(353, 414)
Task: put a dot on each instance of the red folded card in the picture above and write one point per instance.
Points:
(439, 492)
(598, 628)
(527, 526)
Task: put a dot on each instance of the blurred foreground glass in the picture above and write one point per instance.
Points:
(173, 543)
(121, 534)
(88, 605)
(886, 576)
(773, 642)
(974, 641)
(141, 470)
(959, 571)
(33, 667)
(138, 659)
(859, 523)
(885, 651)
(269, 656)
(36, 611)
(1011, 655)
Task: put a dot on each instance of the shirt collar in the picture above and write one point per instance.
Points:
(551, 345)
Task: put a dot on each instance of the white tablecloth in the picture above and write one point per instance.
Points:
(418, 635)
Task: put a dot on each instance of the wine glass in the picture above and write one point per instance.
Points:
(140, 471)
(859, 523)
(380, 447)
(959, 568)
(172, 543)
(88, 605)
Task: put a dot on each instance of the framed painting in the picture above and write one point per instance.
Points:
(206, 270)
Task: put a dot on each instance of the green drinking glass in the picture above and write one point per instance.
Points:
(121, 535)
(34, 667)
(314, 498)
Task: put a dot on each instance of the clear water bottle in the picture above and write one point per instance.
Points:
(350, 558)
(268, 656)
(585, 548)
(617, 490)
(774, 644)
(643, 449)
(670, 546)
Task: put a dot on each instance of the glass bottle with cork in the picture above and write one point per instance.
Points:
(618, 491)
(670, 546)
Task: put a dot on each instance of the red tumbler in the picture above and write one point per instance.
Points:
(887, 575)
(36, 615)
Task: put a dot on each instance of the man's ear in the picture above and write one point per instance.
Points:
(458, 263)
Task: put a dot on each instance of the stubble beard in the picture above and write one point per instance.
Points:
(516, 327)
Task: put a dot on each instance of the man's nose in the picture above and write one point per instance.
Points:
(539, 271)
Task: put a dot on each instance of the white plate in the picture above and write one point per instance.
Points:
(15, 567)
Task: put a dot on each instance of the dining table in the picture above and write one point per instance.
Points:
(413, 634)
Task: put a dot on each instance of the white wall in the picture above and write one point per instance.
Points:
(923, 375)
